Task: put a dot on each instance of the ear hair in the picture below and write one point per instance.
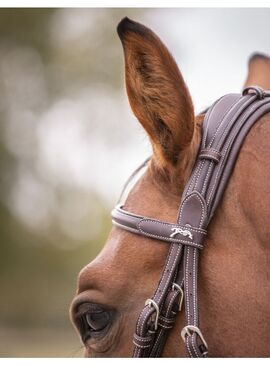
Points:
(157, 93)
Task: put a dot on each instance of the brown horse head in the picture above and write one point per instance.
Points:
(234, 288)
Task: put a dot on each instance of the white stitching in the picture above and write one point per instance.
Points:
(147, 312)
(212, 140)
(172, 266)
(228, 144)
(214, 158)
(187, 287)
(157, 295)
(194, 229)
(189, 351)
(170, 303)
(199, 174)
(165, 327)
(139, 338)
(212, 149)
(208, 119)
(246, 104)
(189, 243)
(223, 118)
(196, 172)
(194, 288)
(193, 344)
(156, 342)
(206, 178)
(141, 346)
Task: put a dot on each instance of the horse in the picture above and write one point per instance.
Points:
(233, 287)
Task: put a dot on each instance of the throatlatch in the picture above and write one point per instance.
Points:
(224, 129)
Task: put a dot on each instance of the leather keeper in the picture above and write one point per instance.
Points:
(210, 154)
(142, 342)
(166, 323)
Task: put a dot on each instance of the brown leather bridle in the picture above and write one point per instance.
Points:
(224, 128)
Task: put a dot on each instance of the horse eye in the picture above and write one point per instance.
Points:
(93, 321)
(98, 321)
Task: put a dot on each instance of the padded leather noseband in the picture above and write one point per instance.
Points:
(224, 128)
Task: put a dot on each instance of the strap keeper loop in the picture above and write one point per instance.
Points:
(255, 90)
(210, 154)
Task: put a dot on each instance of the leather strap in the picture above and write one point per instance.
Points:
(153, 228)
(225, 126)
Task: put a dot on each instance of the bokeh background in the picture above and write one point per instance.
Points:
(68, 141)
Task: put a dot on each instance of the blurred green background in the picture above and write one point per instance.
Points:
(68, 141)
(53, 220)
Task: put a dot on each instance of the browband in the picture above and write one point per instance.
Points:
(170, 232)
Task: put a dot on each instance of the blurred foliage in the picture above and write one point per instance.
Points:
(39, 264)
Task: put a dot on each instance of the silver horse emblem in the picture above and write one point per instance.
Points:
(183, 232)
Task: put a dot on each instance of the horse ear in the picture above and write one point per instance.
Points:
(259, 71)
(157, 93)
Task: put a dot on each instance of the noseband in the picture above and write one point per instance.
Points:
(224, 128)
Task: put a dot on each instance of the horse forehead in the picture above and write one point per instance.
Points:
(125, 258)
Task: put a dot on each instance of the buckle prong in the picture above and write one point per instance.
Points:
(181, 298)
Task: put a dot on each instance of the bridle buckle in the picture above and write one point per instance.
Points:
(189, 330)
(152, 303)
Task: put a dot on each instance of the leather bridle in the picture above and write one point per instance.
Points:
(224, 128)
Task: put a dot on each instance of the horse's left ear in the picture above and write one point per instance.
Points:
(157, 93)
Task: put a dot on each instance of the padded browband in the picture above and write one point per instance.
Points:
(153, 228)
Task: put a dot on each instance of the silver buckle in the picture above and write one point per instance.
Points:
(181, 298)
(189, 330)
(150, 303)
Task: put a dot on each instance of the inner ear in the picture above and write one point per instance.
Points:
(157, 92)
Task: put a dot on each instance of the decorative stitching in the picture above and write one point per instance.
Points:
(148, 311)
(194, 229)
(166, 327)
(157, 295)
(188, 348)
(199, 173)
(172, 270)
(246, 104)
(170, 303)
(141, 346)
(187, 286)
(194, 287)
(163, 238)
(207, 118)
(139, 338)
(210, 167)
(226, 113)
(227, 146)
(156, 345)
(193, 344)
(204, 155)
(195, 173)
